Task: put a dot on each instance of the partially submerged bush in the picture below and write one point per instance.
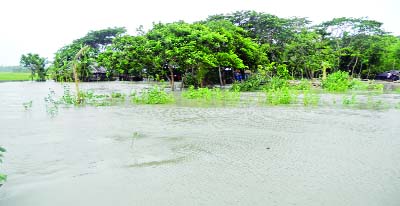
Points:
(251, 84)
(276, 83)
(310, 98)
(282, 95)
(200, 93)
(303, 85)
(211, 94)
(337, 82)
(154, 95)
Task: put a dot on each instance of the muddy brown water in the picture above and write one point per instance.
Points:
(180, 155)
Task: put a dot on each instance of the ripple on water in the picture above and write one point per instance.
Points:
(172, 155)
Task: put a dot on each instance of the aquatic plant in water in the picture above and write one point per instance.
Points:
(215, 94)
(90, 98)
(154, 95)
(303, 85)
(310, 98)
(27, 105)
(3, 177)
(276, 83)
(347, 101)
(67, 97)
(357, 84)
(282, 95)
(51, 103)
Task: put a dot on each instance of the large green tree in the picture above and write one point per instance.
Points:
(61, 68)
(36, 64)
(243, 40)
(357, 43)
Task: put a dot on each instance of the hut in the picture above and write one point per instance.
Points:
(99, 73)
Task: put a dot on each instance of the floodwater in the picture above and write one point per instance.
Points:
(181, 155)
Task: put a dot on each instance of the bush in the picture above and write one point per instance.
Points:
(276, 83)
(303, 85)
(211, 94)
(337, 82)
(189, 80)
(281, 96)
(251, 84)
(154, 95)
(200, 93)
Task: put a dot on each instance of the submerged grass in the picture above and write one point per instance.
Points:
(310, 98)
(276, 92)
(85, 98)
(215, 95)
(281, 96)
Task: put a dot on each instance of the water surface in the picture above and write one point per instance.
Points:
(182, 155)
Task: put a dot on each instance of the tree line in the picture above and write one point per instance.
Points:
(252, 41)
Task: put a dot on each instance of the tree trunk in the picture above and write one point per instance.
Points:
(323, 72)
(359, 72)
(220, 77)
(354, 66)
(171, 71)
(184, 79)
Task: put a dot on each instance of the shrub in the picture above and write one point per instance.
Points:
(211, 94)
(251, 84)
(189, 80)
(276, 83)
(356, 84)
(303, 85)
(154, 95)
(200, 93)
(337, 82)
(281, 96)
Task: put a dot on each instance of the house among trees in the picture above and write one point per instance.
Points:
(99, 73)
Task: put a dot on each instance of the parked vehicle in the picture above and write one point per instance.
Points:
(392, 75)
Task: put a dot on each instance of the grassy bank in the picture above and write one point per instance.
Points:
(14, 76)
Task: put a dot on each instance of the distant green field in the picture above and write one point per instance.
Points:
(14, 76)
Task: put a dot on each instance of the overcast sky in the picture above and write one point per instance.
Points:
(44, 26)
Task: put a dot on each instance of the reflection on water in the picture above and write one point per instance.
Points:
(179, 155)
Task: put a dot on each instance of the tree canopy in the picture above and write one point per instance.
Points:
(36, 65)
(242, 40)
